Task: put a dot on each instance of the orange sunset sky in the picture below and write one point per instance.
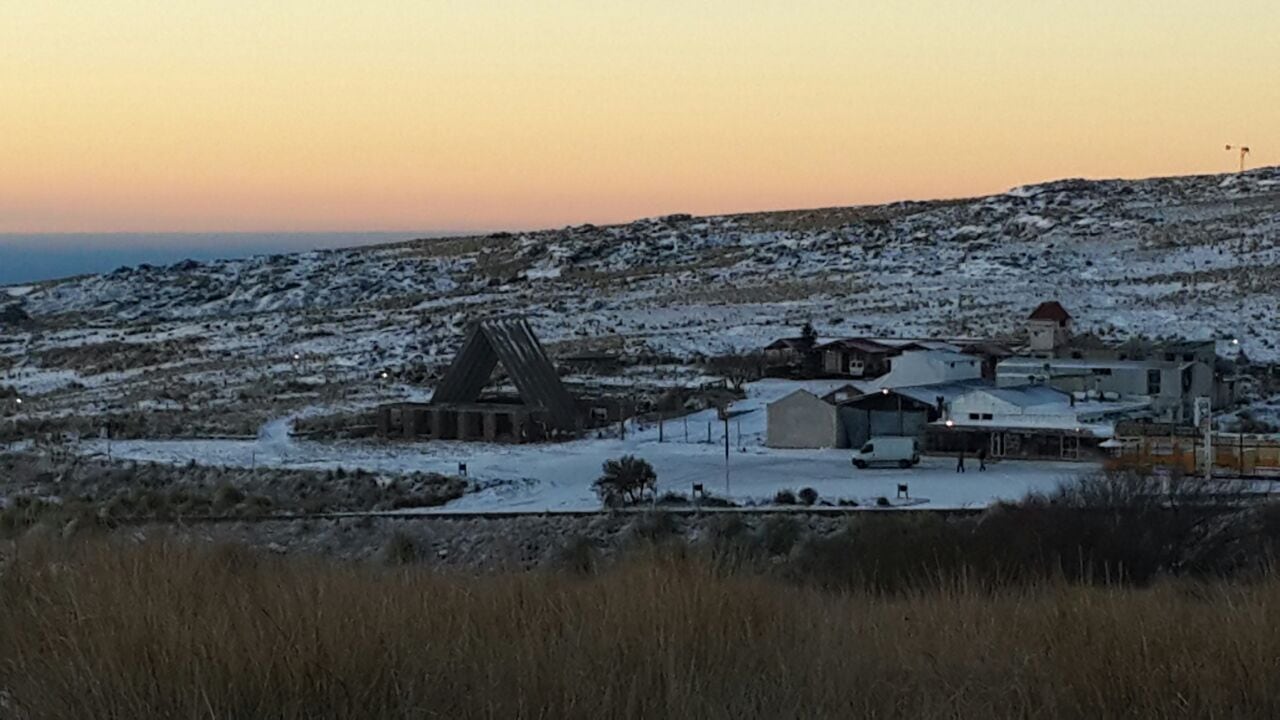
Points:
(297, 115)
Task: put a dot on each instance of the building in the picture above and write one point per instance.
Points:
(461, 409)
(990, 353)
(898, 412)
(787, 352)
(1170, 386)
(856, 357)
(1048, 329)
(914, 368)
(803, 420)
(1031, 421)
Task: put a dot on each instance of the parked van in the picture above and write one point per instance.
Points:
(901, 451)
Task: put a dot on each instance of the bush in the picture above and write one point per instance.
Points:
(780, 533)
(673, 498)
(712, 501)
(625, 481)
(654, 526)
(399, 549)
(578, 555)
(784, 497)
(808, 496)
(227, 497)
(883, 501)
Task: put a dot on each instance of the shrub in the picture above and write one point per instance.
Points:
(883, 501)
(399, 549)
(578, 555)
(712, 501)
(625, 481)
(654, 526)
(784, 497)
(808, 496)
(780, 533)
(729, 526)
(673, 498)
(226, 497)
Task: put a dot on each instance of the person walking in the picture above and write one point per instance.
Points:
(960, 462)
(982, 458)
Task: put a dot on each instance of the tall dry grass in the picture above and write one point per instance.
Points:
(112, 630)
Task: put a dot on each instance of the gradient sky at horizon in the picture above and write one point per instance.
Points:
(311, 115)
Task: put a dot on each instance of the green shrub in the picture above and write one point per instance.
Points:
(628, 480)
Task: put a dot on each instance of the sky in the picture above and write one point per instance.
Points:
(125, 116)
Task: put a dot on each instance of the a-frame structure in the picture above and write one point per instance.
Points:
(511, 343)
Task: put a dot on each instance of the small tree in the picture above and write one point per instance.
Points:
(808, 337)
(810, 358)
(625, 481)
(738, 369)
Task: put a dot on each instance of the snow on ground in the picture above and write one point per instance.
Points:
(542, 477)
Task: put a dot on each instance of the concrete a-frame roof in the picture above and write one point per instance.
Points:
(511, 342)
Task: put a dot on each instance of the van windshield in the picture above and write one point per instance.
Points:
(868, 448)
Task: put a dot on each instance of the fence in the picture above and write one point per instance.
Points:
(1233, 453)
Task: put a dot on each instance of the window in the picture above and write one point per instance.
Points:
(1153, 382)
(974, 416)
(1076, 355)
(986, 416)
(1102, 371)
(1189, 357)
(868, 448)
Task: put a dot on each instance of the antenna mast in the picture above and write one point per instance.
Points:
(1244, 150)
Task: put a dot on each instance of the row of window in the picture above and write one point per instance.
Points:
(979, 416)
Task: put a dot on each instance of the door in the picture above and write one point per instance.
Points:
(997, 444)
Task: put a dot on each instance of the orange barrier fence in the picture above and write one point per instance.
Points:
(1232, 453)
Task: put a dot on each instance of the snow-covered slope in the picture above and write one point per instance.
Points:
(1195, 257)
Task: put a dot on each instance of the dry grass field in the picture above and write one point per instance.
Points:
(97, 628)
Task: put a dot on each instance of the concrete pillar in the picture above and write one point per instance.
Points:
(384, 421)
(490, 424)
(410, 422)
(517, 427)
(463, 419)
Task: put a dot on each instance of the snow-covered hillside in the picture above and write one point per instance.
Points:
(1195, 257)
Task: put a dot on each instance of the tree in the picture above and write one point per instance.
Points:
(810, 358)
(625, 481)
(738, 369)
(808, 337)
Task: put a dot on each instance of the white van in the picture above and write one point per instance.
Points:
(901, 451)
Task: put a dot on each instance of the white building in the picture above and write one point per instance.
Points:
(1170, 386)
(1029, 421)
(929, 367)
(803, 420)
